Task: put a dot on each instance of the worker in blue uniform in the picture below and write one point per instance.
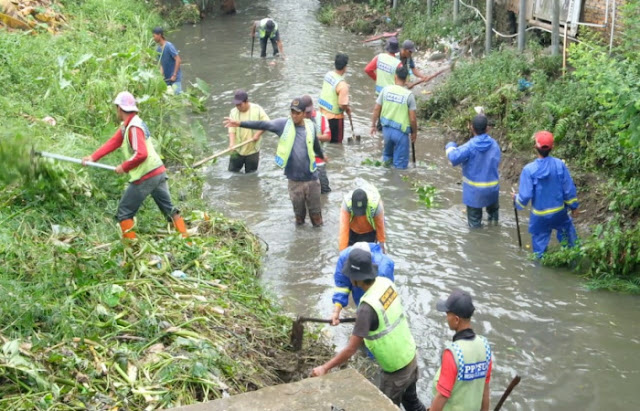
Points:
(343, 285)
(480, 159)
(547, 183)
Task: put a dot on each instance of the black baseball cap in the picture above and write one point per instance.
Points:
(158, 30)
(459, 303)
(298, 105)
(240, 97)
(308, 103)
(270, 25)
(359, 202)
(480, 123)
(359, 266)
(409, 45)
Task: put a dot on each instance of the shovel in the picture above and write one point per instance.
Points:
(223, 152)
(71, 159)
(297, 329)
(353, 133)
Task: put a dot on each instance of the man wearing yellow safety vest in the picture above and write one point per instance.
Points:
(247, 156)
(383, 67)
(324, 135)
(334, 98)
(362, 218)
(382, 325)
(396, 109)
(296, 154)
(462, 381)
(147, 174)
(267, 31)
(480, 159)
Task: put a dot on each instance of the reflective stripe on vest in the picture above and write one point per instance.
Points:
(547, 211)
(373, 200)
(472, 362)
(479, 184)
(395, 108)
(285, 145)
(328, 96)
(262, 28)
(391, 343)
(152, 161)
(386, 71)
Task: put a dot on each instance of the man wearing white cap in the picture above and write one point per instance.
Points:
(147, 174)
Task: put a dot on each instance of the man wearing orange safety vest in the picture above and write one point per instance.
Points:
(147, 174)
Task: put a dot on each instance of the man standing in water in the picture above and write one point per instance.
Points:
(406, 57)
(247, 156)
(334, 98)
(296, 154)
(383, 327)
(462, 381)
(396, 110)
(480, 159)
(267, 31)
(169, 61)
(383, 66)
(147, 174)
(362, 218)
(324, 135)
(547, 183)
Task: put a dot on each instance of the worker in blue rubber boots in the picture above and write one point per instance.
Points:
(396, 109)
(547, 183)
(480, 159)
(343, 284)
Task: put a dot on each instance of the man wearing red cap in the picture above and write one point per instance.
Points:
(547, 183)
(147, 174)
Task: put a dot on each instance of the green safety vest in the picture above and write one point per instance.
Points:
(373, 200)
(329, 97)
(262, 28)
(472, 361)
(386, 71)
(392, 343)
(395, 108)
(153, 160)
(285, 145)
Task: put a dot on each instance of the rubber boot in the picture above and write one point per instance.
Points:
(127, 229)
(178, 222)
(316, 219)
(299, 220)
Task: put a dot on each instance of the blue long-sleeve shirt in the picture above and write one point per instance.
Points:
(343, 284)
(480, 159)
(547, 183)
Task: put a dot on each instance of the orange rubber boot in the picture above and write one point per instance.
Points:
(127, 229)
(178, 222)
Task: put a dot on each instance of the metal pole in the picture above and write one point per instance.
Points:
(456, 9)
(395, 3)
(489, 28)
(429, 7)
(73, 160)
(555, 29)
(522, 24)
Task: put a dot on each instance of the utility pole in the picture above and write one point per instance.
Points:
(555, 29)
(429, 7)
(456, 9)
(395, 3)
(522, 24)
(489, 28)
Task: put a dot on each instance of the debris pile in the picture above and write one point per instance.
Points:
(31, 14)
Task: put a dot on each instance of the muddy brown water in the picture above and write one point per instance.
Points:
(575, 349)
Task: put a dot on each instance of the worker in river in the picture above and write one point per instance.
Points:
(362, 218)
(247, 156)
(480, 159)
(343, 286)
(406, 57)
(462, 381)
(334, 97)
(547, 183)
(147, 174)
(268, 31)
(383, 326)
(169, 61)
(296, 154)
(383, 67)
(324, 135)
(396, 108)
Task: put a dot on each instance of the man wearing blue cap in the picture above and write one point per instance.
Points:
(462, 381)
(268, 31)
(406, 57)
(383, 67)
(169, 61)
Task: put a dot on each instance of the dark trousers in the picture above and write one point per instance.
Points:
(135, 194)
(474, 215)
(369, 237)
(324, 179)
(263, 46)
(336, 125)
(250, 162)
(400, 387)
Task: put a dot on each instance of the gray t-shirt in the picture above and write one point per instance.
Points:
(366, 320)
(297, 168)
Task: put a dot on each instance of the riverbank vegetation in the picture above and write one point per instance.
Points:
(85, 321)
(592, 109)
